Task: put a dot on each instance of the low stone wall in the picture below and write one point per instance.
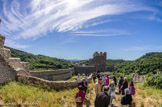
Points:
(86, 70)
(55, 84)
(61, 74)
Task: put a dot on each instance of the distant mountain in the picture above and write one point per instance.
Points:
(149, 63)
(73, 60)
(41, 62)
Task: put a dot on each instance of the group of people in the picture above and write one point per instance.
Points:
(105, 90)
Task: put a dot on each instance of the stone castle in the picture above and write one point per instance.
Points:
(96, 64)
(10, 67)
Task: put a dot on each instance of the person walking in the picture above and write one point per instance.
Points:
(120, 83)
(98, 86)
(131, 88)
(79, 97)
(107, 80)
(124, 86)
(127, 98)
(84, 85)
(102, 99)
(94, 77)
(78, 78)
(114, 79)
(112, 92)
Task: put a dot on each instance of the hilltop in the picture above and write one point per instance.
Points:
(149, 63)
(41, 62)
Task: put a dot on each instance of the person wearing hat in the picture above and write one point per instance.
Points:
(98, 86)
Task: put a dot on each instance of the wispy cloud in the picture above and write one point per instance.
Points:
(13, 44)
(35, 18)
(144, 48)
(106, 32)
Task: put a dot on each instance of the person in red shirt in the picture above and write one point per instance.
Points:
(80, 95)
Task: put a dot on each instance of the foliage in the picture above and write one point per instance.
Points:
(41, 62)
(113, 62)
(151, 62)
(154, 80)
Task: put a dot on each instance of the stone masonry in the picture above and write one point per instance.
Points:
(99, 61)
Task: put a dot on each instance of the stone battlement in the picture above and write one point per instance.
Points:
(96, 54)
(2, 39)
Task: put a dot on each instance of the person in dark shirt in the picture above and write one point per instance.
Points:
(84, 85)
(114, 79)
(127, 98)
(102, 98)
(120, 83)
(124, 86)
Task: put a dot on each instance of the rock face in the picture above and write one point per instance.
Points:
(138, 78)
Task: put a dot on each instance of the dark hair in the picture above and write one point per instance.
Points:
(80, 87)
(131, 83)
(106, 88)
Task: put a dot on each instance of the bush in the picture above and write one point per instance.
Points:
(154, 80)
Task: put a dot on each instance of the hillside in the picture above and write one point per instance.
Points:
(149, 63)
(113, 62)
(41, 62)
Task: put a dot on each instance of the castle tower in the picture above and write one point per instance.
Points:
(99, 61)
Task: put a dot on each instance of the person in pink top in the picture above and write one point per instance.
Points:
(80, 94)
(107, 80)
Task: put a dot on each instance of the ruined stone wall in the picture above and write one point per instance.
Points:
(7, 73)
(86, 70)
(13, 62)
(61, 74)
(56, 84)
(99, 61)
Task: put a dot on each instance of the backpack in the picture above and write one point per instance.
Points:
(133, 93)
(78, 99)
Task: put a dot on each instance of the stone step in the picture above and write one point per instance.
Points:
(25, 65)
(15, 63)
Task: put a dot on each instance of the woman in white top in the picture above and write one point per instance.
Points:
(78, 78)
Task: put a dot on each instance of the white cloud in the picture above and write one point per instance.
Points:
(35, 18)
(105, 32)
(144, 48)
(14, 44)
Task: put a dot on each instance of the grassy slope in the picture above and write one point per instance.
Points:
(17, 92)
(41, 62)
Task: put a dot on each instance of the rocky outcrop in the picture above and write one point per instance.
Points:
(138, 78)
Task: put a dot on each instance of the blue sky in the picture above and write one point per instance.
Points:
(75, 29)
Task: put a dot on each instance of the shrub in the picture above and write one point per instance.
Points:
(154, 80)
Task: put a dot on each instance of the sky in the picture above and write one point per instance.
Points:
(75, 29)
